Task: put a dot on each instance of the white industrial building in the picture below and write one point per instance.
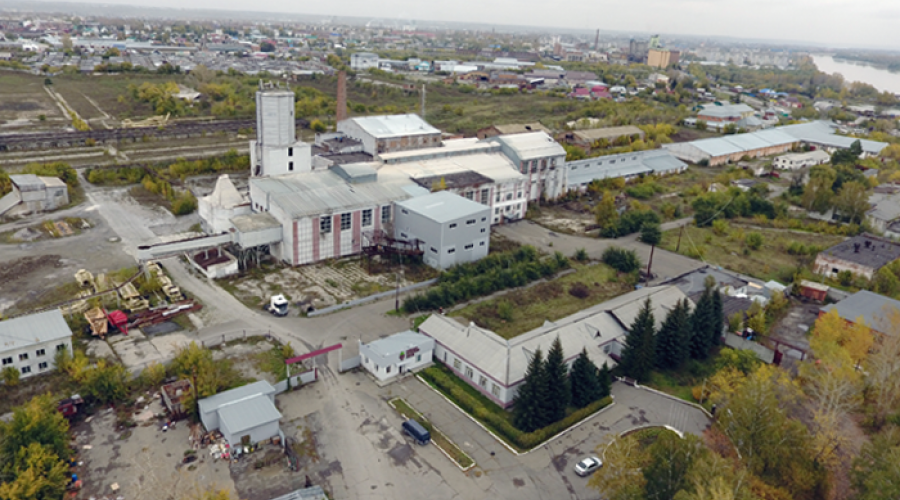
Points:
(390, 133)
(363, 61)
(397, 354)
(540, 159)
(218, 208)
(31, 193)
(450, 229)
(29, 343)
(276, 150)
(796, 161)
(496, 366)
(245, 415)
(628, 166)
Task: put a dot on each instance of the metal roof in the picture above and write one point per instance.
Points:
(520, 128)
(235, 395)
(443, 206)
(395, 344)
(494, 166)
(716, 146)
(875, 310)
(866, 250)
(325, 192)
(30, 180)
(725, 111)
(654, 161)
(311, 493)
(33, 329)
(823, 132)
(531, 145)
(594, 134)
(248, 413)
(386, 126)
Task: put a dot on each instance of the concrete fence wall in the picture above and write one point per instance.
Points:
(371, 298)
(296, 381)
(350, 363)
(762, 352)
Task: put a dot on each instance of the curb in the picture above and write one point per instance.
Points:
(460, 467)
(674, 398)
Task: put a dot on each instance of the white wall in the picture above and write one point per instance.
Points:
(257, 434)
(33, 363)
(389, 371)
(351, 129)
(493, 389)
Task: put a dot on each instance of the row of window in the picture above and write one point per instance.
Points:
(507, 209)
(347, 219)
(453, 249)
(470, 374)
(600, 163)
(468, 223)
(24, 356)
(533, 165)
(508, 197)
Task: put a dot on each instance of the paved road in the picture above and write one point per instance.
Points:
(666, 264)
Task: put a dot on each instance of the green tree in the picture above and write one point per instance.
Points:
(651, 234)
(701, 321)
(557, 375)
(718, 317)
(754, 240)
(876, 470)
(622, 260)
(670, 459)
(853, 201)
(10, 376)
(817, 194)
(318, 126)
(604, 378)
(673, 339)
(847, 156)
(529, 412)
(605, 213)
(106, 382)
(37, 474)
(584, 381)
(267, 47)
(639, 354)
(37, 421)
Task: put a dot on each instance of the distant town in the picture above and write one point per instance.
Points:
(337, 260)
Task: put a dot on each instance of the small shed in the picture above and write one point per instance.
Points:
(392, 356)
(244, 415)
(813, 290)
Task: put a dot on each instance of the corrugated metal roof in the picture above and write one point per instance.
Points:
(386, 126)
(395, 344)
(823, 132)
(716, 146)
(656, 161)
(29, 180)
(875, 310)
(591, 135)
(532, 145)
(443, 206)
(324, 192)
(725, 111)
(311, 493)
(494, 166)
(241, 393)
(246, 414)
(33, 329)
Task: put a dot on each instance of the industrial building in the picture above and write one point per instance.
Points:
(861, 255)
(540, 159)
(627, 166)
(496, 366)
(450, 229)
(662, 58)
(363, 61)
(245, 415)
(390, 133)
(31, 194)
(276, 149)
(587, 139)
(874, 310)
(29, 343)
(397, 354)
(796, 161)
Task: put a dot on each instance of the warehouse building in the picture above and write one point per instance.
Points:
(540, 159)
(245, 415)
(390, 133)
(861, 255)
(628, 166)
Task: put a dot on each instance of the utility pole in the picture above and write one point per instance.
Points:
(680, 232)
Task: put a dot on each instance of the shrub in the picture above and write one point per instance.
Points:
(184, 204)
(720, 227)
(622, 260)
(579, 290)
(581, 255)
(754, 240)
(505, 310)
(643, 191)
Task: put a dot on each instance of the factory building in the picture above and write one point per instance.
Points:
(276, 150)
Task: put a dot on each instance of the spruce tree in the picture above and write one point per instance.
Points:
(604, 381)
(672, 347)
(531, 397)
(584, 381)
(717, 319)
(639, 354)
(557, 374)
(700, 322)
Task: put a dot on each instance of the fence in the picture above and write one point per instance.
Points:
(350, 363)
(762, 352)
(215, 340)
(296, 381)
(371, 298)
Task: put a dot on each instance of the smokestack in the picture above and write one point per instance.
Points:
(597, 41)
(422, 108)
(341, 107)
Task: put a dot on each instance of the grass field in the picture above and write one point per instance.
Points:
(771, 261)
(527, 309)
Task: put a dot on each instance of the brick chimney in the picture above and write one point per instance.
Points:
(341, 111)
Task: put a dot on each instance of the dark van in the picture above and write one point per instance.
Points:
(416, 431)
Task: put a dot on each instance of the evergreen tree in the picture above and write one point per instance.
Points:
(672, 341)
(584, 381)
(557, 374)
(531, 398)
(639, 354)
(604, 379)
(717, 319)
(700, 321)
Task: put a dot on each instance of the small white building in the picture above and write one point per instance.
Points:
(451, 229)
(363, 61)
(244, 415)
(38, 194)
(29, 343)
(395, 355)
(796, 161)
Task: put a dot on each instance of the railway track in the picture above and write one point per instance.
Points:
(45, 140)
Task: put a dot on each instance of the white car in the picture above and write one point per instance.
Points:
(587, 466)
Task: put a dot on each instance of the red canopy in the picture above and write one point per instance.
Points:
(119, 320)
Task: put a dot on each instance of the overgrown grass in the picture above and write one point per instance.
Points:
(522, 310)
(439, 438)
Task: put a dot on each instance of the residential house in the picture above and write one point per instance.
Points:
(30, 343)
(862, 255)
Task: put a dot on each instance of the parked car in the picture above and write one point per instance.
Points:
(587, 466)
(416, 431)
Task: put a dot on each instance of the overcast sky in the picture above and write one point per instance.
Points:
(837, 23)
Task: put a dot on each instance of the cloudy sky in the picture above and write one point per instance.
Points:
(836, 23)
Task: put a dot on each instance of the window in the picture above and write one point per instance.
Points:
(471, 221)
(469, 246)
(452, 225)
(485, 196)
(405, 212)
(457, 365)
(483, 230)
(482, 381)
(60, 347)
(544, 164)
(612, 161)
(40, 352)
(519, 195)
(290, 151)
(377, 368)
(26, 369)
(418, 358)
(325, 224)
(433, 250)
(23, 356)
(606, 348)
(451, 250)
(481, 244)
(495, 390)
(7, 361)
(404, 235)
(345, 222)
(496, 211)
(290, 166)
(483, 219)
(388, 369)
(42, 366)
(470, 195)
(508, 196)
(385, 214)
(469, 372)
(497, 198)
(367, 217)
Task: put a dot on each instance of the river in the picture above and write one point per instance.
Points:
(881, 79)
